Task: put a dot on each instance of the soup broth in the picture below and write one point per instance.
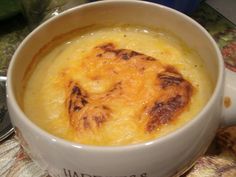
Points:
(115, 85)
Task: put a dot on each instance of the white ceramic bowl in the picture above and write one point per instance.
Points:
(162, 157)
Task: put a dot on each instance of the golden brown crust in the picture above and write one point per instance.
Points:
(77, 99)
(127, 72)
(84, 116)
(175, 96)
(109, 49)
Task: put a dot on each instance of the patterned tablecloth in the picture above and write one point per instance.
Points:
(220, 159)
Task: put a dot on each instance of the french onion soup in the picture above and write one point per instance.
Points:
(115, 85)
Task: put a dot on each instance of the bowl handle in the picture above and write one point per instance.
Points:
(229, 99)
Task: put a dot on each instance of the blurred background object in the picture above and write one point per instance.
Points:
(226, 8)
(37, 11)
(34, 10)
(185, 6)
(8, 8)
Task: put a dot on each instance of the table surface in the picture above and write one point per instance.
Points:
(219, 160)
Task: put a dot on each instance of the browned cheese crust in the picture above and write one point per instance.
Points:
(91, 111)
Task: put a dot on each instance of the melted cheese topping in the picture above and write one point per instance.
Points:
(116, 86)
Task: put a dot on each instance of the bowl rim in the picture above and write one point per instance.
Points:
(66, 143)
